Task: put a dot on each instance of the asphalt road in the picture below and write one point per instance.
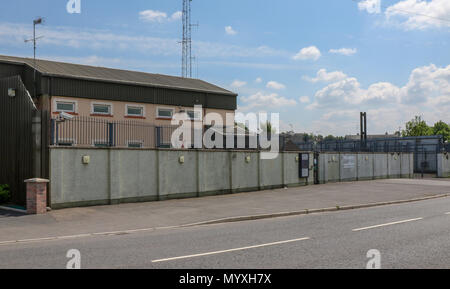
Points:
(414, 235)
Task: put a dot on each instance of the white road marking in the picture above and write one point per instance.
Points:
(447, 213)
(69, 237)
(387, 224)
(231, 250)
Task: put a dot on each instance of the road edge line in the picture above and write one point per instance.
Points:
(309, 211)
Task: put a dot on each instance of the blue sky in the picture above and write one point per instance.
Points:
(317, 63)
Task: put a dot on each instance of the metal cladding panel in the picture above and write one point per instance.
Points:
(222, 102)
(141, 94)
(16, 142)
(7, 70)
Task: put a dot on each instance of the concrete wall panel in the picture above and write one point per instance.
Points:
(365, 166)
(444, 165)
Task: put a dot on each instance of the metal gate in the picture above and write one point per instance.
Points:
(16, 137)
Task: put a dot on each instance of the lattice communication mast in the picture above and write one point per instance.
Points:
(186, 70)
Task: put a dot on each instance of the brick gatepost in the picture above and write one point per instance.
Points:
(36, 196)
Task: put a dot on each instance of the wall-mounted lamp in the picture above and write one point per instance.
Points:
(181, 160)
(86, 160)
(11, 92)
(248, 159)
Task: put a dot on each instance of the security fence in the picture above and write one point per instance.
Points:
(425, 148)
(95, 132)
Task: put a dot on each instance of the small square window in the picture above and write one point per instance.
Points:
(65, 143)
(135, 145)
(65, 106)
(194, 115)
(135, 111)
(101, 144)
(101, 109)
(165, 113)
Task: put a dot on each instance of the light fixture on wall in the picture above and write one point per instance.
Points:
(11, 92)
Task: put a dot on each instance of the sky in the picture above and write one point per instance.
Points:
(316, 63)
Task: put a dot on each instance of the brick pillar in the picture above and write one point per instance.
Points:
(36, 196)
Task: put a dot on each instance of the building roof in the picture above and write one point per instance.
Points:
(103, 74)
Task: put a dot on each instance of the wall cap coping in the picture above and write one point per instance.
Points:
(37, 181)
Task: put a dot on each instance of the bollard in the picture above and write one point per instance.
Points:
(36, 196)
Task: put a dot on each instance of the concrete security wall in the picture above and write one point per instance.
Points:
(126, 175)
(338, 167)
(443, 162)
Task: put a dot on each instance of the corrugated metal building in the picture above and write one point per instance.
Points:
(44, 80)
(74, 80)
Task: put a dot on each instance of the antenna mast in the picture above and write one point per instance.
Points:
(186, 69)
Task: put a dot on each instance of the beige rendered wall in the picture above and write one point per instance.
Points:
(83, 107)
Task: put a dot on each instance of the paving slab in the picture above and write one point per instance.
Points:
(89, 220)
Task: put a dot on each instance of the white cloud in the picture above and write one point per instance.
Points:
(152, 16)
(427, 84)
(344, 51)
(94, 41)
(371, 6)
(263, 100)
(230, 31)
(324, 76)
(176, 16)
(275, 85)
(258, 80)
(304, 99)
(418, 14)
(238, 84)
(308, 53)
(158, 16)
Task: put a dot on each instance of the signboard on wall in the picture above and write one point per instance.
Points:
(349, 162)
(304, 165)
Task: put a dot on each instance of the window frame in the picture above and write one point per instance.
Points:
(73, 102)
(134, 106)
(135, 142)
(110, 105)
(66, 142)
(158, 116)
(100, 143)
(199, 118)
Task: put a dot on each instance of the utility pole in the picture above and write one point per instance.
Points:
(363, 122)
(35, 22)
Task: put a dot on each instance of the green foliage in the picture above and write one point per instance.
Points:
(5, 194)
(267, 127)
(417, 127)
(442, 128)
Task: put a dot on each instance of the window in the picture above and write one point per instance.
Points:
(65, 106)
(101, 144)
(101, 109)
(194, 115)
(135, 145)
(166, 113)
(66, 142)
(135, 111)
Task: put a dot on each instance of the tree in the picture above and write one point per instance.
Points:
(441, 128)
(417, 127)
(267, 127)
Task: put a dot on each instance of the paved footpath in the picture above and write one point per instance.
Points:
(142, 216)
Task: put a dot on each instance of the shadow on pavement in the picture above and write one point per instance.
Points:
(8, 214)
